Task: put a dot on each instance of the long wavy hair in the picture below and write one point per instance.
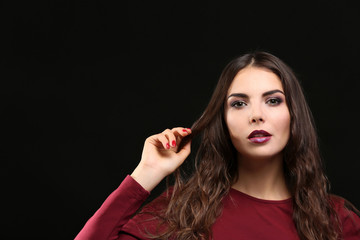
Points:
(195, 201)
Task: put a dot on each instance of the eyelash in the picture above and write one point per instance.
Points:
(277, 101)
(274, 101)
(236, 103)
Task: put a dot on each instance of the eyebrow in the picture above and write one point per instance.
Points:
(243, 95)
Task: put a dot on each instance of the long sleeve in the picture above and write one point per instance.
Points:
(115, 212)
(350, 221)
(351, 225)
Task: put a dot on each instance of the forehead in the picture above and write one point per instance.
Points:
(253, 80)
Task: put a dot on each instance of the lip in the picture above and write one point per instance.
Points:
(259, 136)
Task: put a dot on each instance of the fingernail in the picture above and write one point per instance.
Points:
(173, 143)
(167, 146)
(184, 130)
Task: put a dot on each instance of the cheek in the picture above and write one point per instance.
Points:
(283, 123)
(235, 124)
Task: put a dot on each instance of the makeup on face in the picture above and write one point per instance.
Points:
(259, 136)
(256, 114)
(239, 100)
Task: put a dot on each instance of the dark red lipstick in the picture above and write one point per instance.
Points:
(259, 136)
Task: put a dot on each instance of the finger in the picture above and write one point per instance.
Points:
(185, 150)
(180, 133)
(171, 137)
(164, 140)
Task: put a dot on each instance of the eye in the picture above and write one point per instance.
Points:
(274, 101)
(238, 104)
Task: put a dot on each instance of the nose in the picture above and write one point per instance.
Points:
(256, 119)
(256, 116)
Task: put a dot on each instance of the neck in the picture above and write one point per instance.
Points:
(262, 178)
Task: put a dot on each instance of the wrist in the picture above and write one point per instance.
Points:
(147, 178)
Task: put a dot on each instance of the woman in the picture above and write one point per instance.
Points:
(257, 175)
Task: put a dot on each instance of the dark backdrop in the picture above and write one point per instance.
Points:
(83, 83)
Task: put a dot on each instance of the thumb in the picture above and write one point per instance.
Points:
(185, 150)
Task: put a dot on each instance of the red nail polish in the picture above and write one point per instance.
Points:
(173, 143)
(184, 130)
(167, 146)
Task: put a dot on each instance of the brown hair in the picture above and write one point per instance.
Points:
(195, 202)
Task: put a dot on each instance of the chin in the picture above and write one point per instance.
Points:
(261, 154)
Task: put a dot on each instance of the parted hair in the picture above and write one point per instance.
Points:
(195, 201)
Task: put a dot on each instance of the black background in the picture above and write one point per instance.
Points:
(85, 82)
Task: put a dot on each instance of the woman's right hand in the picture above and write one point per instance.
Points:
(161, 156)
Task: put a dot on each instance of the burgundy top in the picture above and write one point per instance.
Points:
(243, 217)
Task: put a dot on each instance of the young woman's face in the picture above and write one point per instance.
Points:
(256, 113)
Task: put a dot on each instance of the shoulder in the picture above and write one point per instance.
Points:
(348, 216)
(343, 206)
